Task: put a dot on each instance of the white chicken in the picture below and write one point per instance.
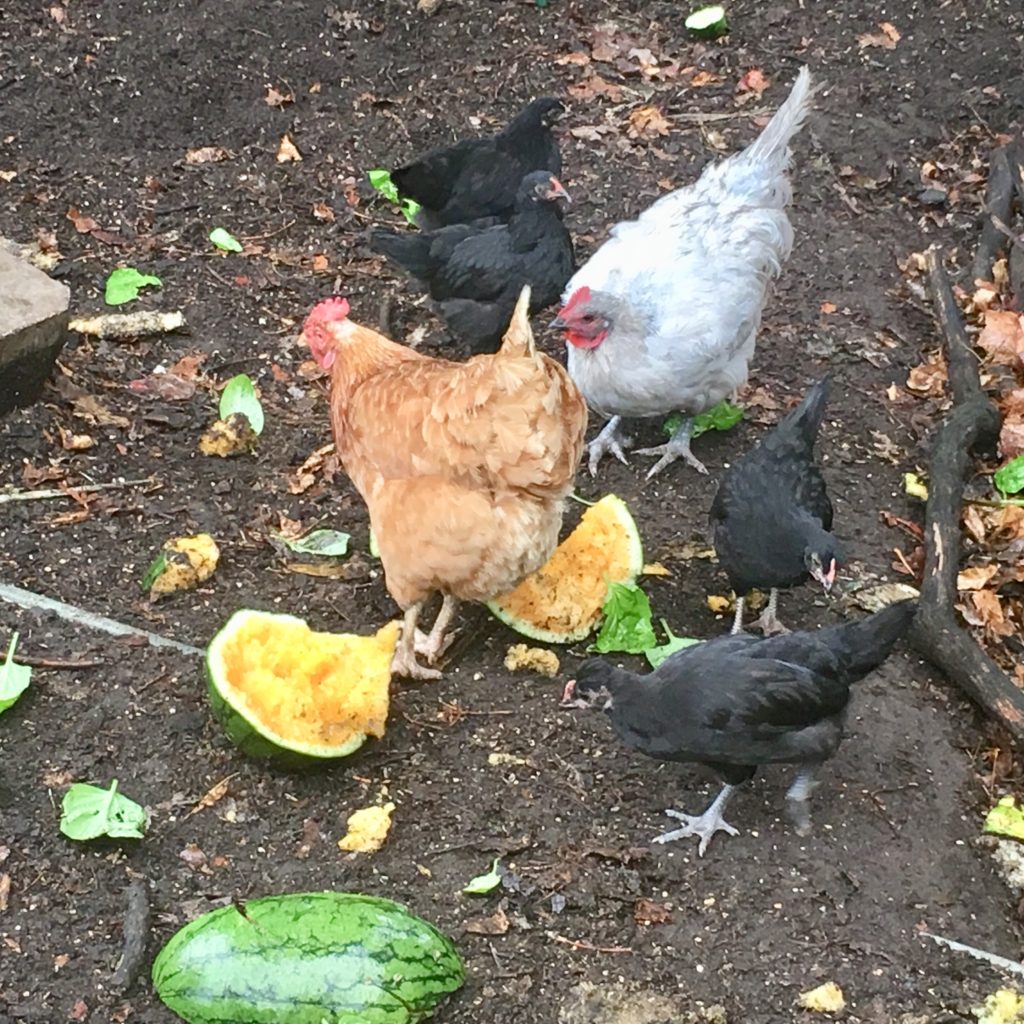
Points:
(663, 317)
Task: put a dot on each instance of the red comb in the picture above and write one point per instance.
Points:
(578, 297)
(334, 308)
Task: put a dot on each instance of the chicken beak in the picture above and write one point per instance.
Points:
(826, 579)
(557, 191)
(558, 324)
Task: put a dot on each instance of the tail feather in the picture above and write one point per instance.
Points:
(863, 646)
(518, 339)
(410, 251)
(771, 147)
(805, 420)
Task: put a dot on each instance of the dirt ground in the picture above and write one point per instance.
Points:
(99, 103)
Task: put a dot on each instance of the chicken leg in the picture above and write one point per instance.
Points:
(434, 644)
(677, 447)
(737, 622)
(798, 797)
(769, 619)
(404, 662)
(611, 440)
(704, 825)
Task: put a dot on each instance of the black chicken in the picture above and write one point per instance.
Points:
(478, 178)
(739, 701)
(771, 517)
(475, 273)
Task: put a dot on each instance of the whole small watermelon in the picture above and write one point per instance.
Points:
(307, 958)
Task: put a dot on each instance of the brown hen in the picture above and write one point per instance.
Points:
(464, 467)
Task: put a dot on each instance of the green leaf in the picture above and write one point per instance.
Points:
(656, 655)
(723, 416)
(1006, 819)
(380, 179)
(915, 486)
(1010, 478)
(323, 543)
(124, 284)
(155, 570)
(14, 678)
(88, 812)
(483, 884)
(239, 395)
(225, 241)
(627, 623)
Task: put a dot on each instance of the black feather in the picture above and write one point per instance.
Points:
(772, 507)
(475, 272)
(479, 177)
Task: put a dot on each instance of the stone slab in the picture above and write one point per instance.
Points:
(33, 327)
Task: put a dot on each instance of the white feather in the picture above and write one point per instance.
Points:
(686, 281)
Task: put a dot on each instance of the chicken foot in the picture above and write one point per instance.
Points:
(737, 621)
(404, 662)
(677, 447)
(704, 825)
(798, 798)
(611, 440)
(769, 620)
(433, 644)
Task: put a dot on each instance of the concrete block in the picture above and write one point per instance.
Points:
(33, 327)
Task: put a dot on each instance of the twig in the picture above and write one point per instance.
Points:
(57, 663)
(974, 421)
(56, 492)
(79, 616)
(998, 198)
(136, 935)
(587, 946)
(979, 954)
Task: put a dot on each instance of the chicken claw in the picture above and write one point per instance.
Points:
(798, 798)
(704, 825)
(404, 662)
(609, 440)
(434, 644)
(677, 447)
(768, 621)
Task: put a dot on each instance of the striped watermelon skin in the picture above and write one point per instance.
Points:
(307, 958)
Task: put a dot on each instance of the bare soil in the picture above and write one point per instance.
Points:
(100, 102)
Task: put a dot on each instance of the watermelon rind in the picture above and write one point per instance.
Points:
(252, 737)
(616, 505)
(306, 958)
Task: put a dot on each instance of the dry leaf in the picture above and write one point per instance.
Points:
(929, 378)
(367, 829)
(751, 85)
(886, 39)
(577, 57)
(428, 6)
(1011, 436)
(976, 577)
(703, 78)
(827, 307)
(719, 604)
(647, 123)
(495, 924)
(594, 86)
(91, 409)
(1002, 337)
(212, 796)
(207, 155)
(305, 476)
(649, 912)
(5, 891)
(325, 570)
(83, 224)
(323, 213)
(167, 387)
(287, 152)
(320, 264)
(532, 659)
(80, 1011)
(276, 98)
